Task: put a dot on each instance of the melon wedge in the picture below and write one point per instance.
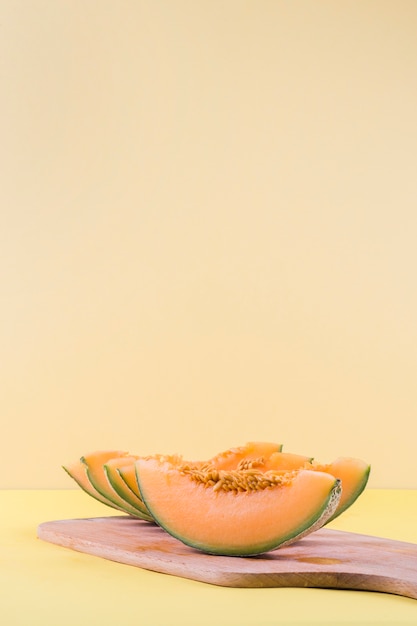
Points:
(97, 476)
(353, 474)
(224, 513)
(112, 470)
(78, 472)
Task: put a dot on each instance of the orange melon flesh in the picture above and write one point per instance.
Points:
(230, 459)
(128, 475)
(353, 474)
(111, 469)
(96, 475)
(236, 523)
(128, 472)
(78, 472)
(286, 461)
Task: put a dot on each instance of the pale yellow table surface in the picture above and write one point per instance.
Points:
(44, 584)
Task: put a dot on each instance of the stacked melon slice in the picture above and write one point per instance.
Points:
(242, 502)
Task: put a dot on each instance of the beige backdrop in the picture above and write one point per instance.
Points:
(208, 230)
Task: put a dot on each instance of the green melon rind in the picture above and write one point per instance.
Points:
(111, 494)
(98, 494)
(354, 496)
(327, 511)
(127, 494)
(91, 490)
(314, 523)
(120, 471)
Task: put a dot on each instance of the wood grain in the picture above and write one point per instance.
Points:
(326, 558)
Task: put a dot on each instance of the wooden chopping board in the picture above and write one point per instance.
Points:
(326, 558)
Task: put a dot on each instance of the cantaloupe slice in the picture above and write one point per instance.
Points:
(97, 476)
(78, 472)
(353, 474)
(110, 476)
(111, 469)
(237, 512)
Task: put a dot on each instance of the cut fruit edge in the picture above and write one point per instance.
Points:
(110, 476)
(95, 470)
(227, 523)
(112, 471)
(78, 472)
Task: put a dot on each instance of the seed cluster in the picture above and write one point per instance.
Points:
(251, 463)
(235, 480)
